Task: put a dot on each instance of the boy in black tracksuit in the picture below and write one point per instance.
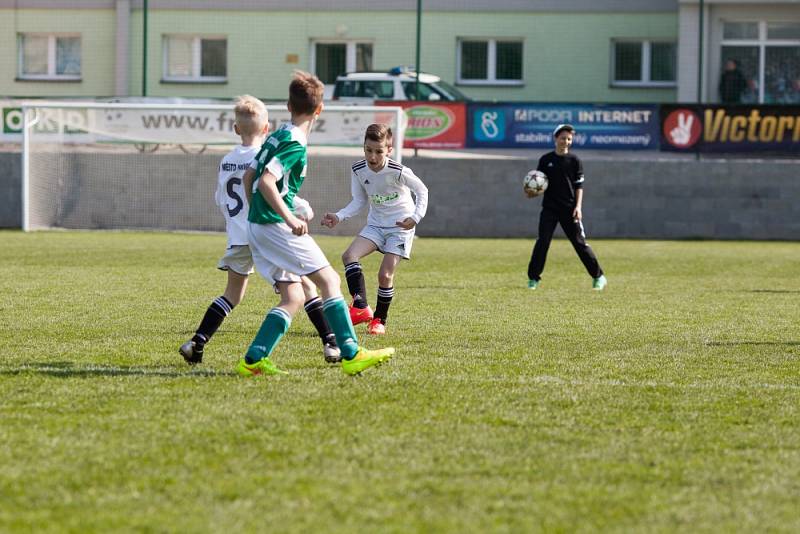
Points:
(562, 203)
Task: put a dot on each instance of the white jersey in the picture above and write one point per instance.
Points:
(230, 195)
(388, 192)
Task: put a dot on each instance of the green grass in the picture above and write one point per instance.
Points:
(669, 402)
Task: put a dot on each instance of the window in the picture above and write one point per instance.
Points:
(490, 62)
(643, 63)
(332, 59)
(190, 58)
(740, 30)
(768, 55)
(49, 57)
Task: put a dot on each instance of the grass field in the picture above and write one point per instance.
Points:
(669, 402)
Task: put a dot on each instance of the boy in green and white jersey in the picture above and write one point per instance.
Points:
(283, 251)
(251, 126)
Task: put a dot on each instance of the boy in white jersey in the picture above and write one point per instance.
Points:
(251, 126)
(393, 215)
(283, 251)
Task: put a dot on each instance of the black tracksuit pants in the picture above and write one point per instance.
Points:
(574, 232)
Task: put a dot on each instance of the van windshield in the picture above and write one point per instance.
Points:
(451, 90)
(364, 89)
(441, 90)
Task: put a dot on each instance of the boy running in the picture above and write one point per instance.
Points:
(283, 251)
(562, 204)
(393, 215)
(251, 126)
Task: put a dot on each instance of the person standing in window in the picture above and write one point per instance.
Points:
(732, 83)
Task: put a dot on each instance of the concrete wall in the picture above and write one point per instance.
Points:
(469, 197)
(659, 199)
(10, 190)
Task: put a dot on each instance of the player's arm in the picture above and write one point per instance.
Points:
(577, 213)
(420, 190)
(219, 194)
(357, 203)
(268, 188)
(247, 182)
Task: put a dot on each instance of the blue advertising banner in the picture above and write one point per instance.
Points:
(528, 125)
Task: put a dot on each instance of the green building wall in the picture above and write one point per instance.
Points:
(97, 28)
(566, 56)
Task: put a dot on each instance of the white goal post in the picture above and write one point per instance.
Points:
(94, 165)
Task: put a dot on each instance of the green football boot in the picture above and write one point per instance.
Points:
(365, 359)
(263, 366)
(533, 284)
(599, 283)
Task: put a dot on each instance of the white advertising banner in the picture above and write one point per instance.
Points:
(136, 123)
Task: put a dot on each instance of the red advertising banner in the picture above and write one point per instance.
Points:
(433, 124)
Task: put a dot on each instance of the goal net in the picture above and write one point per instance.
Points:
(154, 166)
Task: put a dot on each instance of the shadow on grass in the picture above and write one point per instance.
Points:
(437, 286)
(248, 333)
(70, 370)
(743, 343)
(774, 291)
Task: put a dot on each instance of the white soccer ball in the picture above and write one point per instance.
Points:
(302, 209)
(535, 181)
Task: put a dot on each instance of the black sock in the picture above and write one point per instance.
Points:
(356, 284)
(385, 295)
(314, 310)
(215, 314)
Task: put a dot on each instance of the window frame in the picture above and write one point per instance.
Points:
(491, 60)
(196, 66)
(351, 52)
(762, 42)
(645, 81)
(52, 60)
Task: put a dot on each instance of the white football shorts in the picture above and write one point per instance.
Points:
(281, 256)
(238, 259)
(395, 240)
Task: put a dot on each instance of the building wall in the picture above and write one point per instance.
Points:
(566, 54)
(98, 45)
(565, 59)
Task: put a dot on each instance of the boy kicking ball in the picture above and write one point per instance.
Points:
(283, 251)
(393, 214)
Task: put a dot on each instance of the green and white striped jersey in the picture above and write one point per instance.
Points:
(283, 154)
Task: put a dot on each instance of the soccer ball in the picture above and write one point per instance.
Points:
(535, 181)
(302, 209)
